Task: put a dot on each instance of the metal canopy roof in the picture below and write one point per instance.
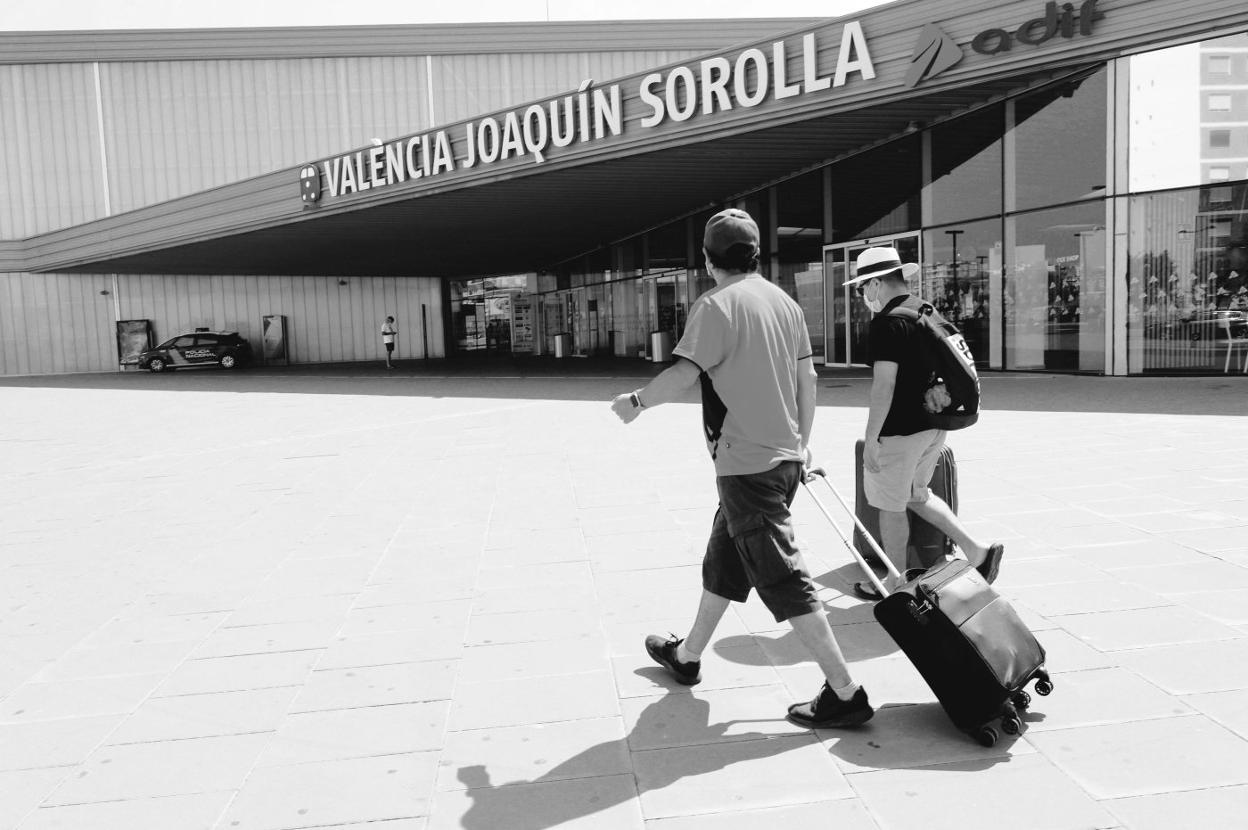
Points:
(519, 216)
(531, 222)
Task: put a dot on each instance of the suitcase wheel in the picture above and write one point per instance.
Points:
(1044, 685)
(1011, 724)
(1021, 700)
(986, 735)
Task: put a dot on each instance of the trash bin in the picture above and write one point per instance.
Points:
(563, 345)
(660, 346)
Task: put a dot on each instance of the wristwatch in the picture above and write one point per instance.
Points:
(635, 400)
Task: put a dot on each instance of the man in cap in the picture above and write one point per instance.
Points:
(900, 450)
(746, 342)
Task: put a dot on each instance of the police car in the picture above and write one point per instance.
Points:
(201, 348)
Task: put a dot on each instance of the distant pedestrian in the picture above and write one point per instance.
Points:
(900, 450)
(746, 341)
(388, 333)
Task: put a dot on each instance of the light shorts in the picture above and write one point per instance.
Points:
(906, 466)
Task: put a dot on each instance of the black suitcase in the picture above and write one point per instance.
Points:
(964, 638)
(928, 545)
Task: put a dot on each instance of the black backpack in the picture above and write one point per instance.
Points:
(950, 363)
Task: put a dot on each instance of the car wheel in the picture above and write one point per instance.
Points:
(228, 361)
(156, 365)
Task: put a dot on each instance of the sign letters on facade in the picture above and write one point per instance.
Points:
(716, 84)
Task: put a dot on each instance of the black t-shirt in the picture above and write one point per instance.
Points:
(897, 340)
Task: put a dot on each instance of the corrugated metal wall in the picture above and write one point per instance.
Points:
(172, 128)
(175, 127)
(58, 323)
(179, 127)
(325, 321)
(53, 323)
(468, 85)
(49, 152)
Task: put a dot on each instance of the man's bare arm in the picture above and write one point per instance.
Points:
(670, 385)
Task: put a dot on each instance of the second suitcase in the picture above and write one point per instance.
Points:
(927, 544)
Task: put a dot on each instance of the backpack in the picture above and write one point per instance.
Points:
(950, 363)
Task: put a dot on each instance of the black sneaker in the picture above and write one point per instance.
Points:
(664, 653)
(827, 711)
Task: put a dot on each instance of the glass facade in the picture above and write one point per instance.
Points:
(1008, 209)
(1187, 279)
(1187, 240)
(1055, 293)
(1059, 136)
(961, 274)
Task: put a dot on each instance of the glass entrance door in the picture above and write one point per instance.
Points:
(847, 316)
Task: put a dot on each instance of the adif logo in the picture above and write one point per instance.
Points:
(310, 184)
(934, 52)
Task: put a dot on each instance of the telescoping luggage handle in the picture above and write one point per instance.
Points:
(819, 472)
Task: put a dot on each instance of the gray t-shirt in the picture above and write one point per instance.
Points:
(747, 336)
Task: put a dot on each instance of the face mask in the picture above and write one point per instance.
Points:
(873, 303)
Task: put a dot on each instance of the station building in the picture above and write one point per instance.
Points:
(1072, 177)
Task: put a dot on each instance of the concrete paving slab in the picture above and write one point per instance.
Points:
(419, 601)
(198, 811)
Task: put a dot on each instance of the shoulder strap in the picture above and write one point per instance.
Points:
(912, 309)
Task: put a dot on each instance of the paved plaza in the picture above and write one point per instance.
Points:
(415, 600)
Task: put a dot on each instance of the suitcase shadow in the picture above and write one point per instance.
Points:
(914, 736)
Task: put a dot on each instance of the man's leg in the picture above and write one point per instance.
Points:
(711, 610)
(937, 513)
(723, 580)
(895, 539)
(816, 634)
(927, 505)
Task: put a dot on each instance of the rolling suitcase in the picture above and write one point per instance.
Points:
(927, 544)
(965, 639)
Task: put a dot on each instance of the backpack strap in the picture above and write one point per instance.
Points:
(912, 312)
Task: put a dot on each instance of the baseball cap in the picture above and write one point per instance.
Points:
(727, 228)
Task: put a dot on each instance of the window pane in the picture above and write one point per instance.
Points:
(1059, 137)
(1168, 105)
(878, 192)
(1219, 103)
(1186, 278)
(799, 234)
(966, 167)
(668, 246)
(960, 266)
(1055, 291)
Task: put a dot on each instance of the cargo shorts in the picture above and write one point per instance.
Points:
(752, 543)
(907, 463)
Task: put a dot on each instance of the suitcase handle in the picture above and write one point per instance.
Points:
(818, 472)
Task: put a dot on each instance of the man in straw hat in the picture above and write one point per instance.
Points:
(746, 341)
(900, 450)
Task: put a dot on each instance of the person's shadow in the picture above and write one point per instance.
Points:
(516, 805)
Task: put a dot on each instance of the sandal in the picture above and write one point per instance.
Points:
(991, 565)
(867, 591)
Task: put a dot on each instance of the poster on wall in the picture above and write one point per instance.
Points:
(522, 325)
(133, 337)
(273, 339)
